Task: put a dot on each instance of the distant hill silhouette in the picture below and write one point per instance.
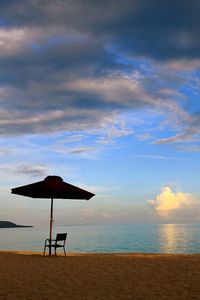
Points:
(7, 224)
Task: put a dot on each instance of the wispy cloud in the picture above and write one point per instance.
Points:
(80, 150)
(190, 135)
(159, 157)
(32, 170)
(4, 151)
(189, 148)
(73, 138)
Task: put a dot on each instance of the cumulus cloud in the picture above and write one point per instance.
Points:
(168, 202)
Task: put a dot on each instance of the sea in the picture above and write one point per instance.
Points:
(145, 238)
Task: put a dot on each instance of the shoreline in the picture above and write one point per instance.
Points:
(89, 276)
(30, 252)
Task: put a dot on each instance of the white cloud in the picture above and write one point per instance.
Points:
(187, 64)
(168, 202)
(11, 40)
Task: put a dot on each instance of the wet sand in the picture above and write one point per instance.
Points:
(28, 275)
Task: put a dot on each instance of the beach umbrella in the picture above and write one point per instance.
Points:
(52, 187)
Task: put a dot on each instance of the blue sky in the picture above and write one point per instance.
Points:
(106, 96)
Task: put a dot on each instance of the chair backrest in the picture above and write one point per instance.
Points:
(61, 237)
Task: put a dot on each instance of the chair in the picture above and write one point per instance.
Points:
(59, 242)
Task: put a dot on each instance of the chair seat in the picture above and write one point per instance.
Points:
(54, 245)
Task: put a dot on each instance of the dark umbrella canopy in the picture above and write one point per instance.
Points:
(52, 187)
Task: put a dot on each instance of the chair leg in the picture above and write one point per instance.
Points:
(64, 250)
(44, 251)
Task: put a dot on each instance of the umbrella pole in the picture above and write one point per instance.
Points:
(51, 223)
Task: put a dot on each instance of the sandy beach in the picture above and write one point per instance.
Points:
(29, 275)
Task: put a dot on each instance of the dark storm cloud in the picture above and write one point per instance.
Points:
(54, 64)
(58, 59)
(157, 29)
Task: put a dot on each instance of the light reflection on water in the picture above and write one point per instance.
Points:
(179, 238)
(154, 238)
(170, 236)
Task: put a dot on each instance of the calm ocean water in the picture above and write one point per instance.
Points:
(159, 238)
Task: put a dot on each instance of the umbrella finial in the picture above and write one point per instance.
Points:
(53, 177)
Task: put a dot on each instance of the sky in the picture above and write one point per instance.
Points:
(104, 94)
